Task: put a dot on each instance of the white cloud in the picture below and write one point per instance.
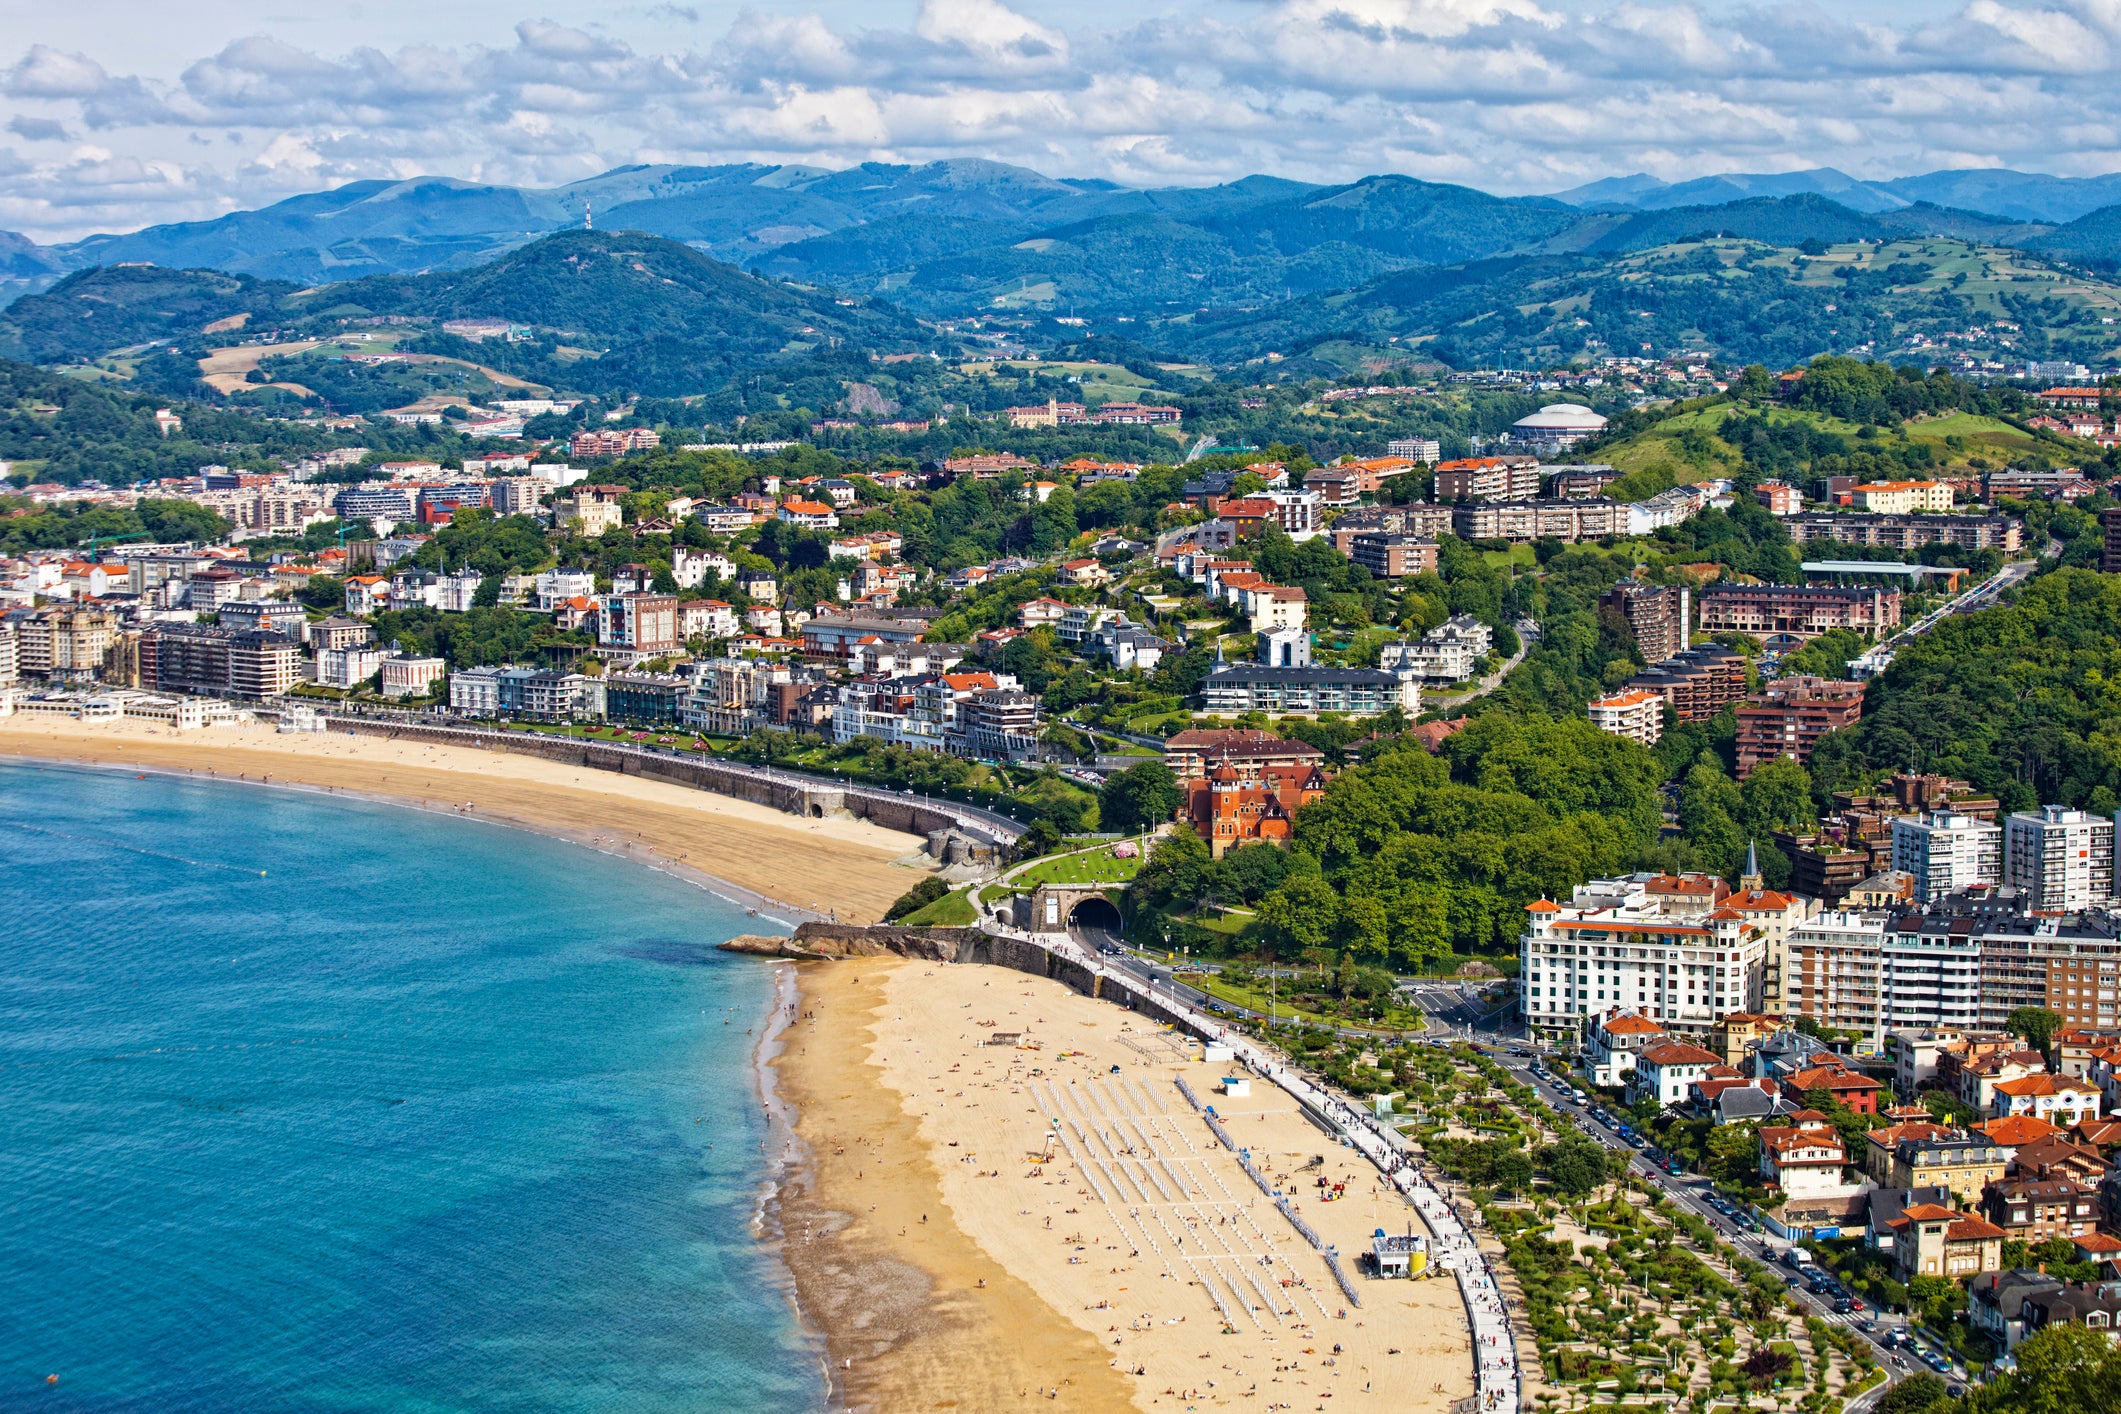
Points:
(1512, 95)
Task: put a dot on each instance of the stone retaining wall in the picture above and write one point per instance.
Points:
(782, 791)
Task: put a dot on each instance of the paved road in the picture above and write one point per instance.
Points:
(1527, 639)
(1982, 596)
(1690, 1192)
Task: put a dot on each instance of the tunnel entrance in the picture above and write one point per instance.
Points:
(1094, 921)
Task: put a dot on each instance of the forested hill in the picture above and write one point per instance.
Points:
(1744, 300)
(607, 309)
(2020, 700)
(608, 289)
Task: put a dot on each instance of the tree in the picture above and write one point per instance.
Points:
(1301, 913)
(1177, 872)
(915, 899)
(1141, 797)
(2037, 1025)
(1778, 796)
(1912, 1395)
(2062, 1369)
(1575, 1166)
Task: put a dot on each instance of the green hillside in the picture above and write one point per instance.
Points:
(97, 311)
(1743, 300)
(606, 310)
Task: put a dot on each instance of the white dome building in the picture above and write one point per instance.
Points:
(1557, 427)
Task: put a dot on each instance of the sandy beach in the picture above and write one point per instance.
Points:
(957, 1250)
(848, 867)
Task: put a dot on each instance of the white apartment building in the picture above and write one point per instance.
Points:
(555, 587)
(1636, 713)
(1636, 944)
(690, 567)
(1947, 852)
(2063, 858)
(1450, 652)
(348, 667)
(1420, 449)
(1930, 979)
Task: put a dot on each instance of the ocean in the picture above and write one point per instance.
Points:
(308, 1103)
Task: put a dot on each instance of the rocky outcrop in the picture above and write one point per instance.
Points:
(824, 941)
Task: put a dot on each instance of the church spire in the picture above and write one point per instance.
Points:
(1751, 879)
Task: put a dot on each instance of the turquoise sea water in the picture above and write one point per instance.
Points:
(419, 1120)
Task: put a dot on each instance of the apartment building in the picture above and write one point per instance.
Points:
(1797, 611)
(638, 626)
(1902, 497)
(1947, 852)
(1790, 715)
(1450, 652)
(2062, 859)
(1639, 944)
(1514, 478)
(1522, 521)
(1930, 972)
(1658, 614)
(1911, 532)
(1234, 689)
(1635, 713)
(1418, 519)
(1391, 556)
(221, 662)
(1833, 971)
(1697, 683)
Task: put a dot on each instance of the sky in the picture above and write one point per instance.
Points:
(119, 115)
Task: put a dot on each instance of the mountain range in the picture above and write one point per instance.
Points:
(950, 237)
(692, 271)
(2014, 196)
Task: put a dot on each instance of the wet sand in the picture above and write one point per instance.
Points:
(928, 1165)
(850, 868)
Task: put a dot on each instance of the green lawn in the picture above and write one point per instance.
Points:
(1096, 867)
(952, 910)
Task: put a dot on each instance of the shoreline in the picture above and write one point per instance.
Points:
(786, 914)
(793, 1157)
(783, 867)
(992, 1219)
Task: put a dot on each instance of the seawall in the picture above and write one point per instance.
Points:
(781, 790)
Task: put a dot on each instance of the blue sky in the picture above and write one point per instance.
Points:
(119, 115)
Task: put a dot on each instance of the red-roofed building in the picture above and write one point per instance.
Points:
(1804, 1160)
(1617, 1041)
(2054, 1098)
(2036, 1209)
(1878, 1145)
(1929, 1240)
(1238, 804)
(2014, 1132)
(1666, 1071)
(1856, 1092)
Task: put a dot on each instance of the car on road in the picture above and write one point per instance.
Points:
(1843, 1306)
(1791, 1282)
